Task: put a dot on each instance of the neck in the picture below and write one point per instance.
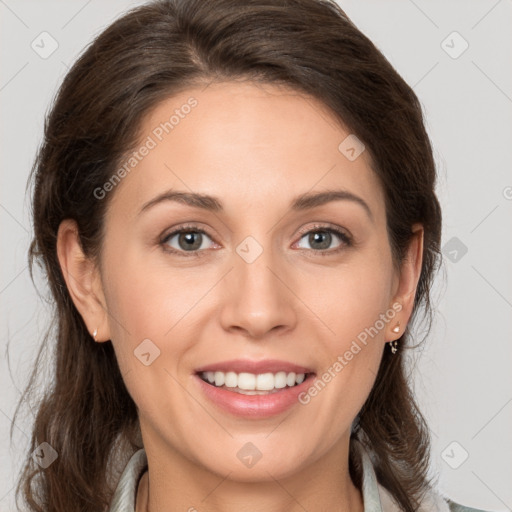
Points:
(170, 485)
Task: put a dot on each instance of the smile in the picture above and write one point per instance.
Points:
(251, 384)
(253, 389)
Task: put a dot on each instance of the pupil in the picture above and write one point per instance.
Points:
(189, 242)
(321, 237)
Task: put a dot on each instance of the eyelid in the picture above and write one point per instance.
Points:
(163, 239)
(319, 226)
(347, 240)
(345, 237)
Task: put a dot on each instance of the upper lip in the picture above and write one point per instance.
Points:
(255, 367)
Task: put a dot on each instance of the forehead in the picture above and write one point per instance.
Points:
(251, 144)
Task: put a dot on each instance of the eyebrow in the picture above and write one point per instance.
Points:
(303, 202)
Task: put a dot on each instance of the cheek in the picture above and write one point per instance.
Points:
(146, 300)
(350, 363)
(355, 306)
(151, 308)
(353, 301)
(137, 308)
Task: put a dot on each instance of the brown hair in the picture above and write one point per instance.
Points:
(145, 56)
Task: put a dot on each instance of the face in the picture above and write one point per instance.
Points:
(257, 279)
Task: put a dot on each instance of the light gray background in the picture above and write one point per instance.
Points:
(463, 373)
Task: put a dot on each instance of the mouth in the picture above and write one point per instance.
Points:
(251, 377)
(254, 389)
(246, 383)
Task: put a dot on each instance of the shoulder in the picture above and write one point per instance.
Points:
(432, 502)
(457, 507)
(435, 502)
(377, 498)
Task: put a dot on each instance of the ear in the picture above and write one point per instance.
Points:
(83, 280)
(407, 279)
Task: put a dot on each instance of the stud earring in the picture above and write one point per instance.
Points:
(394, 344)
(94, 334)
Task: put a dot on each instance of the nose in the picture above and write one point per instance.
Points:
(258, 297)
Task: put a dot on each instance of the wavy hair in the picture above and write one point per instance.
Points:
(150, 53)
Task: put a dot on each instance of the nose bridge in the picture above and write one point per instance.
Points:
(256, 298)
(252, 268)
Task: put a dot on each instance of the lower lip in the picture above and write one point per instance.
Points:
(254, 406)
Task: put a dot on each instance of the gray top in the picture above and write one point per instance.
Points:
(375, 497)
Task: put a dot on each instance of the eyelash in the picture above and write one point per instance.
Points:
(191, 228)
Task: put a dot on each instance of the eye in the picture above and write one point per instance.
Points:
(187, 240)
(192, 240)
(320, 240)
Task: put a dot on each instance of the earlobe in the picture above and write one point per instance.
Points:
(82, 280)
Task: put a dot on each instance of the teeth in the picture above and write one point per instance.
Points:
(251, 382)
(300, 378)
(231, 380)
(219, 378)
(247, 381)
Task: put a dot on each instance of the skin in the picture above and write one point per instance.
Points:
(256, 148)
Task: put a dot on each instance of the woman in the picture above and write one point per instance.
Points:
(234, 203)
